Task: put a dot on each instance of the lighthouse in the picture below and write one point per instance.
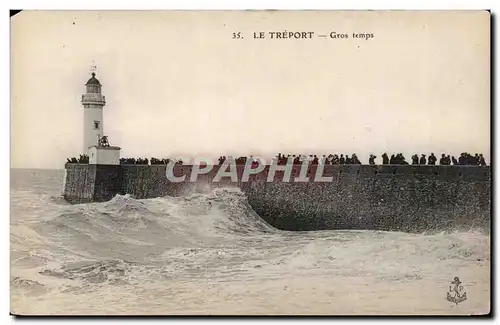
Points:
(95, 143)
(100, 177)
(93, 103)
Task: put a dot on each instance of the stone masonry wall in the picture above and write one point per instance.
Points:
(391, 197)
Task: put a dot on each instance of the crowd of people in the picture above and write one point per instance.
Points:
(134, 161)
(445, 160)
(146, 161)
(332, 159)
(237, 161)
(83, 159)
(329, 160)
(282, 159)
(156, 161)
(395, 159)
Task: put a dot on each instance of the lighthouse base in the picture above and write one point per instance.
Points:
(86, 183)
(99, 155)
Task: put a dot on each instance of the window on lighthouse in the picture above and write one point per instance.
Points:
(96, 125)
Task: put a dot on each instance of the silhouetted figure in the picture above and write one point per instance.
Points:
(391, 161)
(423, 160)
(448, 160)
(355, 160)
(329, 159)
(482, 162)
(348, 160)
(83, 159)
(315, 160)
(400, 159)
(342, 159)
(468, 158)
(385, 159)
(442, 160)
(432, 159)
(371, 160)
(335, 159)
(454, 160)
(414, 159)
(283, 160)
(461, 159)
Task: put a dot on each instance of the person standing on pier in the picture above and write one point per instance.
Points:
(423, 161)
(432, 159)
(385, 159)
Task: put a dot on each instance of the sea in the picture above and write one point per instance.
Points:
(211, 254)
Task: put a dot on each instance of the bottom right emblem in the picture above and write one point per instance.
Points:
(457, 293)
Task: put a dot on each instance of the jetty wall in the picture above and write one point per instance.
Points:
(403, 198)
(87, 183)
(384, 197)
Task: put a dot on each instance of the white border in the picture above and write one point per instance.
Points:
(179, 4)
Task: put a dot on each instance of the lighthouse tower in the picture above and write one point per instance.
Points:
(101, 178)
(95, 143)
(93, 103)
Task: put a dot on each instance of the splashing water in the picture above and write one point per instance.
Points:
(212, 254)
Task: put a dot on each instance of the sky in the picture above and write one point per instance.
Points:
(179, 84)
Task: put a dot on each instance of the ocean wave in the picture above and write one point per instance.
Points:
(215, 235)
(28, 286)
(112, 271)
(220, 212)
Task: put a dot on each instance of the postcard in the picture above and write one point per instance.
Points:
(250, 163)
